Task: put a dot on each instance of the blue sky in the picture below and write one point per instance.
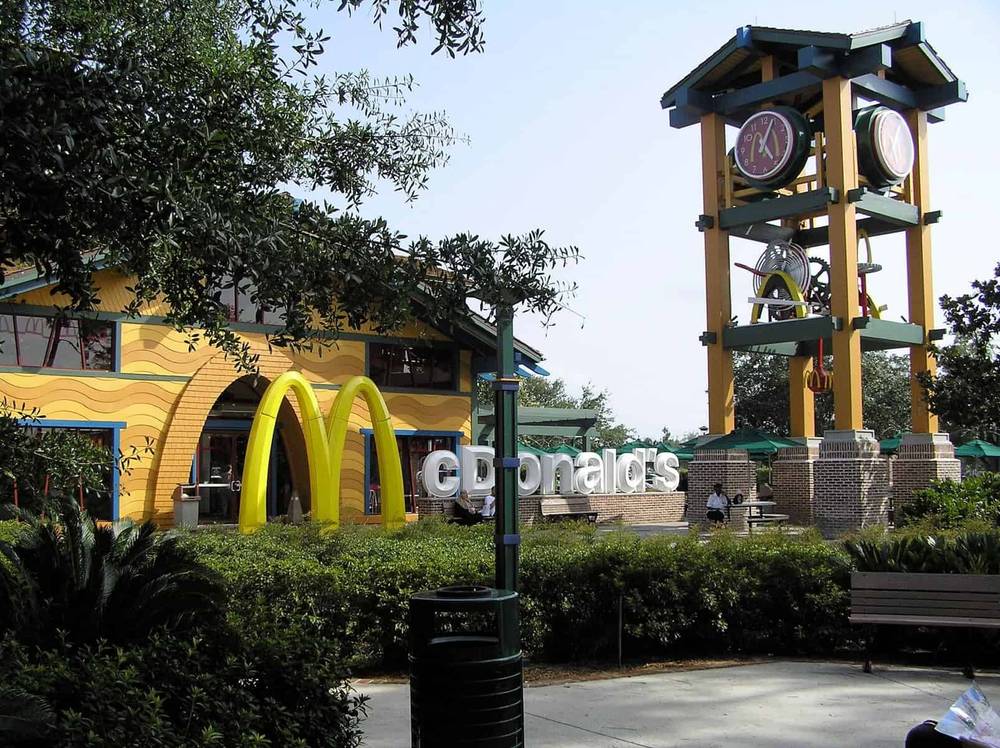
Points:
(566, 134)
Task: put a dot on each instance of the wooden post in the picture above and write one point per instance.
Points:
(801, 400)
(721, 418)
(842, 174)
(918, 276)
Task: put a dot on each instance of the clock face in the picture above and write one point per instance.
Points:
(764, 145)
(893, 144)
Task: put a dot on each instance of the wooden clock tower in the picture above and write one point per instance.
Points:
(827, 146)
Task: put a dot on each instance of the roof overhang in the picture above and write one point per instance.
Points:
(894, 65)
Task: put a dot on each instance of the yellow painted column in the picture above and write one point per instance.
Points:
(801, 401)
(842, 174)
(721, 418)
(918, 276)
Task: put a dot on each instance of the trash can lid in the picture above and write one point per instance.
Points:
(465, 591)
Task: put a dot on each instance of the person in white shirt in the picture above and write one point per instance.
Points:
(717, 504)
(489, 506)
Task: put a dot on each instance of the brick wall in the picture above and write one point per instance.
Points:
(793, 479)
(730, 467)
(852, 483)
(922, 458)
(622, 507)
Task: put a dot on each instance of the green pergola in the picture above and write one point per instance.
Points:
(567, 423)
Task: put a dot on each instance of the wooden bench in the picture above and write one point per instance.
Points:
(906, 599)
(568, 506)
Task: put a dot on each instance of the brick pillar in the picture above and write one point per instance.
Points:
(852, 483)
(793, 479)
(730, 467)
(922, 458)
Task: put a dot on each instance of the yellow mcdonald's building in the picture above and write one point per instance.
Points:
(132, 381)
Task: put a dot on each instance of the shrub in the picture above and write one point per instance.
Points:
(949, 504)
(64, 576)
(957, 552)
(115, 636)
(350, 589)
(176, 691)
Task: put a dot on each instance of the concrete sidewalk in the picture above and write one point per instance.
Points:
(772, 705)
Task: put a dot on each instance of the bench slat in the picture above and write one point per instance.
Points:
(870, 580)
(922, 610)
(918, 620)
(990, 605)
(924, 595)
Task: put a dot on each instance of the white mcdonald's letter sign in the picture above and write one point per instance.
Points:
(444, 473)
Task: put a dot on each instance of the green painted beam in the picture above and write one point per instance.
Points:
(877, 205)
(799, 337)
(762, 93)
(887, 331)
(820, 236)
(777, 208)
(770, 333)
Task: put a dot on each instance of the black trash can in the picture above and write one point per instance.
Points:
(466, 685)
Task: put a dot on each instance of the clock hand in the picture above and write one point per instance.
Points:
(763, 141)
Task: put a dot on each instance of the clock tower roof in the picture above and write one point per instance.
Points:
(893, 65)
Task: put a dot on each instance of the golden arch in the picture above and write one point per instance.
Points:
(324, 450)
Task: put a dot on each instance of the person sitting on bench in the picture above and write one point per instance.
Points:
(718, 505)
(465, 512)
(489, 509)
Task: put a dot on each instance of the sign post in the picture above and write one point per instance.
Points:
(506, 462)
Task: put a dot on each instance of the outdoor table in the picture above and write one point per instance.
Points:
(759, 505)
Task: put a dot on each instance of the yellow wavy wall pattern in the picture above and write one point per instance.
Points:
(144, 406)
(113, 290)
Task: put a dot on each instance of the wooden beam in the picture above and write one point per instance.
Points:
(717, 267)
(801, 400)
(768, 68)
(842, 175)
(918, 276)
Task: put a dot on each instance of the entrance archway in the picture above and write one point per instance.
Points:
(181, 437)
(222, 448)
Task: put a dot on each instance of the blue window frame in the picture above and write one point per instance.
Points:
(114, 427)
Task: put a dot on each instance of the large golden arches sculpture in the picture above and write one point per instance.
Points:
(324, 450)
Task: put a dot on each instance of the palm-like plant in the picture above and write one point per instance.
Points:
(117, 582)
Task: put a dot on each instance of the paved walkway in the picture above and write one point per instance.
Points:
(772, 705)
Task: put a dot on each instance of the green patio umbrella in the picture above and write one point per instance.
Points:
(530, 450)
(566, 449)
(890, 445)
(977, 448)
(759, 444)
(632, 446)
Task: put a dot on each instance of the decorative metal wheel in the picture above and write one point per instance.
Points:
(782, 257)
(819, 287)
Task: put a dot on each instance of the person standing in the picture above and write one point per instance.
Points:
(717, 505)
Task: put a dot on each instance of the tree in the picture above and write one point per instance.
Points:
(761, 394)
(159, 137)
(966, 391)
(546, 392)
(68, 577)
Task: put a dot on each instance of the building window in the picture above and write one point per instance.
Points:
(56, 342)
(413, 450)
(98, 501)
(240, 301)
(391, 365)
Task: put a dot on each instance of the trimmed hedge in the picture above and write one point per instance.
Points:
(771, 593)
